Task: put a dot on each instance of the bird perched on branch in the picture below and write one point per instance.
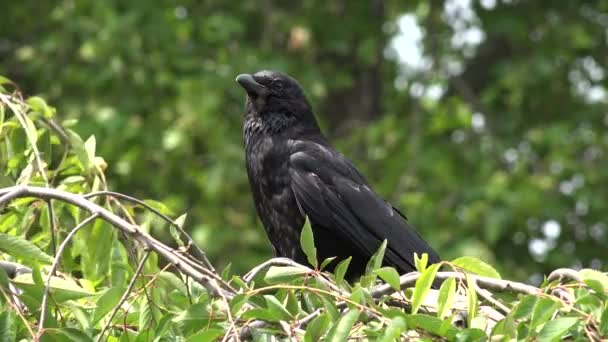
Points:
(294, 172)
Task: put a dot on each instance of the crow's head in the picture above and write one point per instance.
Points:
(271, 93)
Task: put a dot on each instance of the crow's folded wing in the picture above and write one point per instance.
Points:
(332, 193)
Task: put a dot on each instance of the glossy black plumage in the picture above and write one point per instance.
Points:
(293, 171)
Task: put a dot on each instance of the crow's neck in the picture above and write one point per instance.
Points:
(256, 127)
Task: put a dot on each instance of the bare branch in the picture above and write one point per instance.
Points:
(211, 281)
(564, 274)
(409, 279)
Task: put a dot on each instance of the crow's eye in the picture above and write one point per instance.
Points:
(277, 84)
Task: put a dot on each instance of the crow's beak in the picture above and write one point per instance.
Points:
(251, 86)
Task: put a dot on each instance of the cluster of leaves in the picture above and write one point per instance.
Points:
(111, 287)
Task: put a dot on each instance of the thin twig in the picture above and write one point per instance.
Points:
(248, 278)
(125, 295)
(62, 247)
(19, 313)
(49, 204)
(487, 296)
(197, 250)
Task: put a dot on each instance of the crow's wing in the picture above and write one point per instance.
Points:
(334, 195)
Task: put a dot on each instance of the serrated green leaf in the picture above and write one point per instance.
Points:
(476, 266)
(447, 291)
(555, 329)
(423, 284)
(390, 276)
(307, 241)
(23, 249)
(341, 330)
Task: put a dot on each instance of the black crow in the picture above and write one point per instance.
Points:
(294, 172)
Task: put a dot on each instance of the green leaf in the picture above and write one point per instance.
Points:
(4, 80)
(420, 263)
(23, 249)
(447, 291)
(604, 323)
(471, 335)
(341, 330)
(555, 329)
(590, 274)
(3, 279)
(375, 262)
(432, 325)
(326, 262)
(543, 311)
(317, 328)
(393, 331)
(423, 284)
(472, 299)
(90, 146)
(74, 335)
(525, 307)
(476, 266)
(39, 104)
(390, 276)
(206, 334)
(283, 274)
(8, 328)
(341, 269)
(106, 302)
(61, 289)
(181, 220)
(276, 307)
(160, 206)
(307, 241)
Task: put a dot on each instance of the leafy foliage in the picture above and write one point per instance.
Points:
(108, 286)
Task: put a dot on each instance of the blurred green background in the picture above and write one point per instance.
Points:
(484, 121)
